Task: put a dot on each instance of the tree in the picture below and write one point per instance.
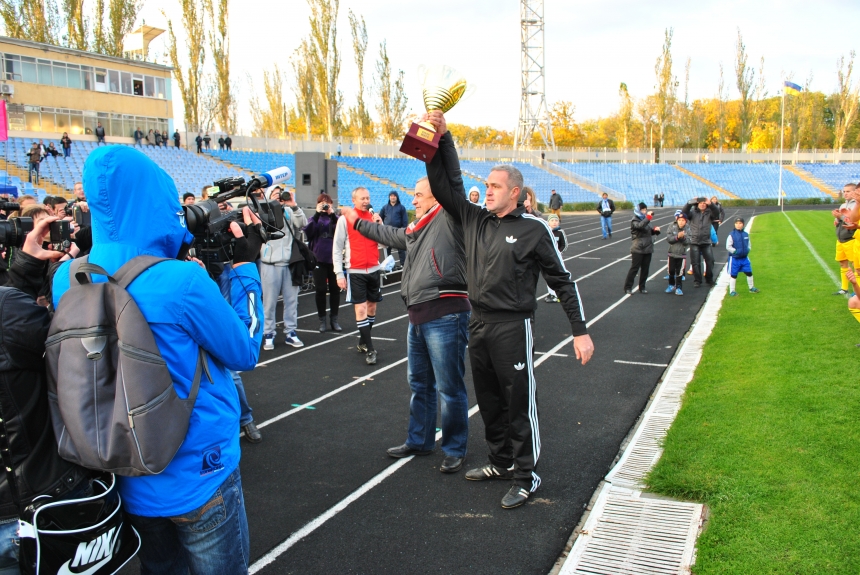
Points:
(121, 17)
(722, 97)
(625, 115)
(392, 97)
(269, 116)
(359, 117)
(303, 87)
(34, 20)
(99, 35)
(666, 86)
(189, 83)
(564, 129)
(745, 79)
(76, 24)
(844, 101)
(219, 46)
(325, 62)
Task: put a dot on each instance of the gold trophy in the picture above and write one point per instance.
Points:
(442, 87)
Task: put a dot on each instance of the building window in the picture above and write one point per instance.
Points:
(101, 80)
(74, 76)
(113, 81)
(60, 75)
(159, 89)
(13, 67)
(149, 86)
(126, 83)
(45, 72)
(29, 70)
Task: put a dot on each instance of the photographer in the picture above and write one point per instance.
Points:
(320, 232)
(27, 440)
(191, 516)
(642, 249)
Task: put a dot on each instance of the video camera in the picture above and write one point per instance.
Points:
(213, 241)
(14, 230)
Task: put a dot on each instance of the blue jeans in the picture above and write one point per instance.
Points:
(246, 415)
(210, 540)
(437, 353)
(66, 152)
(606, 225)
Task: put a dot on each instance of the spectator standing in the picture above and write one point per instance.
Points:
(339, 149)
(561, 242)
(176, 138)
(199, 141)
(394, 214)
(642, 249)
(700, 216)
(438, 307)
(721, 214)
(228, 141)
(221, 143)
(100, 134)
(475, 196)
(138, 136)
(277, 280)
(320, 233)
(356, 263)
(530, 203)
(606, 207)
(555, 204)
(207, 140)
(158, 138)
(66, 142)
(191, 516)
(656, 200)
(505, 249)
(34, 158)
(678, 244)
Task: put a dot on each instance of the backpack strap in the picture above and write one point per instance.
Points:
(134, 267)
(81, 270)
(198, 374)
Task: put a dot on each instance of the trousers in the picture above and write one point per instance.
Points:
(697, 253)
(277, 280)
(641, 263)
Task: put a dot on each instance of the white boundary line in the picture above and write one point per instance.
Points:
(641, 363)
(814, 253)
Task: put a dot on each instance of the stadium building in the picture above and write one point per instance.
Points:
(51, 90)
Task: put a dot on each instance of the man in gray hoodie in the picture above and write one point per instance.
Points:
(276, 278)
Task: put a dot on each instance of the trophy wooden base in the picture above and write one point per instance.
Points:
(420, 143)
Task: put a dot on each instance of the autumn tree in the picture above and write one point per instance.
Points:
(666, 86)
(121, 16)
(359, 116)
(270, 115)
(324, 59)
(219, 47)
(189, 81)
(564, 127)
(625, 116)
(745, 82)
(303, 87)
(391, 91)
(844, 101)
(35, 20)
(76, 24)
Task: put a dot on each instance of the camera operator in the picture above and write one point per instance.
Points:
(191, 516)
(27, 440)
(320, 232)
(276, 277)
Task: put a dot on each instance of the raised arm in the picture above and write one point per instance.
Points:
(446, 179)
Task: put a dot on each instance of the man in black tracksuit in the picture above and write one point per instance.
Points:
(506, 249)
(700, 216)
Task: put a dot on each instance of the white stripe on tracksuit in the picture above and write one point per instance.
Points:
(533, 412)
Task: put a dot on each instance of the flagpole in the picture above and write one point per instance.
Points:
(781, 137)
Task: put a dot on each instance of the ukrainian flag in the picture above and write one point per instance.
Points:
(791, 88)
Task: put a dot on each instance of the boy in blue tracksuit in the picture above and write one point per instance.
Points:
(191, 517)
(738, 246)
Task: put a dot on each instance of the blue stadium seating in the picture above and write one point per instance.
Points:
(541, 181)
(834, 175)
(755, 181)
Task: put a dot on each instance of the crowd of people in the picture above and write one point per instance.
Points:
(469, 280)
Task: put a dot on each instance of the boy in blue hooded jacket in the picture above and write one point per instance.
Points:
(192, 515)
(738, 246)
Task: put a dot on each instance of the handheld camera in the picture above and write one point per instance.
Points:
(14, 230)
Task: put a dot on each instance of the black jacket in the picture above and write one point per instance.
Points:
(555, 201)
(395, 215)
(26, 429)
(100, 131)
(700, 223)
(600, 207)
(642, 232)
(504, 256)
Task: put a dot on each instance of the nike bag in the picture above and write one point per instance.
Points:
(112, 400)
(86, 536)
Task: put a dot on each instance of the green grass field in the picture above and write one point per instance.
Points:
(769, 432)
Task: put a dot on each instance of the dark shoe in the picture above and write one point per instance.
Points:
(452, 464)
(252, 434)
(643, 291)
(322, 325)
(515, 497)
(334, 325)
(488, 471)
(404, 450)
(370, 358)
(697, 284)
(628, 291)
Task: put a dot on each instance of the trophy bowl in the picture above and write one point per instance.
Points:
(442, 87)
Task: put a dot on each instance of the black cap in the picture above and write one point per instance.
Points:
(642, 206)
(739, 219)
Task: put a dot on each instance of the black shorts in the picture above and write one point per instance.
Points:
(363, 287)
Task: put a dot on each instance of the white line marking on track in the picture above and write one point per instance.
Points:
(642, 363)
(555, 354)
(814, 253)
(589, 258)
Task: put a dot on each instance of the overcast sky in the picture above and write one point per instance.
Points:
(590, 46)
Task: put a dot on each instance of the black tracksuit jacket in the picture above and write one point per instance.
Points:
(517, 246)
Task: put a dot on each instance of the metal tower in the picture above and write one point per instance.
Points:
(534, 114)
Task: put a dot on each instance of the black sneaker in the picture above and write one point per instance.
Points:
(361, 347)
(370, 359)
(515, 497)
(488, 471)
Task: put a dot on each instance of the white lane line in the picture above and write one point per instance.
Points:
(328, 341)
(814, 253)
(329, 394)
(590, 258)
(642, 363)
(375, 338)
(555, 354)
(314, 524)
(606, 245)
(343, 305)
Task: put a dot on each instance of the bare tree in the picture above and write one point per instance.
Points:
(219, 46)
(722, 97)
(76, 24)
(666, 86)
(359, 116)
(120, 20)
(269, 115)
(625, 114)
(392, 97)
(35, 20)
(844, 101)
(189, 83)
(303, 87)
(325, 62)
(745, 79)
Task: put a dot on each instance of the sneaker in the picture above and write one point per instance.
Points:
(361, 347)
(643, 291)
(754, 290)
(679, 292)
(488, 471)
(689, 272)
(697, 284)
(670, 289)
(269, 341)
(683, 278)
(293, 340)
(665, 277)
(841, 292)
(370, 358)
(515, 497)
(733, 293)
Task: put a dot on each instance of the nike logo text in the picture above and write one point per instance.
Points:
(102, 547)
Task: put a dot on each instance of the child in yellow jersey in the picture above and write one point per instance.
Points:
(845, 247)
(854, 301)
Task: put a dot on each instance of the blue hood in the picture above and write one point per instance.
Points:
(135, 207)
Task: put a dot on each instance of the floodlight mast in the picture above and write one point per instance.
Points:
(534, 113)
